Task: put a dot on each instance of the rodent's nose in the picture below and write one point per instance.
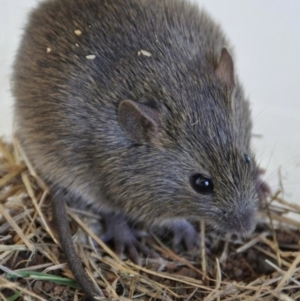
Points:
(242, 220)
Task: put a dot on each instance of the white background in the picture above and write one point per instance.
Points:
(266, 36)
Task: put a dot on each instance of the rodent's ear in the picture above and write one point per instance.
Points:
(225, 69)
(139, 121)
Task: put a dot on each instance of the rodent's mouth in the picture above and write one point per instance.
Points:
(241, 225)
(242, 230)
(240, 220)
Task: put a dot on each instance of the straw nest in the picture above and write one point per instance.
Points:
(264, 266)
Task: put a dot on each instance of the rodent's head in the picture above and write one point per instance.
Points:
(192, 160)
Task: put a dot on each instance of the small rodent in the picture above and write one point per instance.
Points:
(133, 108)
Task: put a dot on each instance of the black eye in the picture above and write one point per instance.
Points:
(201, 184)
(247, 158)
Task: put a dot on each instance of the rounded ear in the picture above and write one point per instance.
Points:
(225, 69)
(139, 122)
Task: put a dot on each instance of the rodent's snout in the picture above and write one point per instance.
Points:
(241, 220)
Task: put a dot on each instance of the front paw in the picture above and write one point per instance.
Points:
(184, 235)
(124, 237)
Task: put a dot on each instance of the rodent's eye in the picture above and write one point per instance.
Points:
(247, 159)
(201, 184)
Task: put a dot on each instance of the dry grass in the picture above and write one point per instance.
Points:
(32, 267)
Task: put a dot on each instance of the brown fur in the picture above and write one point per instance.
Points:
(67, 110)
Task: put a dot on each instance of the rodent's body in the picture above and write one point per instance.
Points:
(164, 54)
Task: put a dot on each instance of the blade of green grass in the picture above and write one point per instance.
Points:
(45, 277)
(14, 296)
